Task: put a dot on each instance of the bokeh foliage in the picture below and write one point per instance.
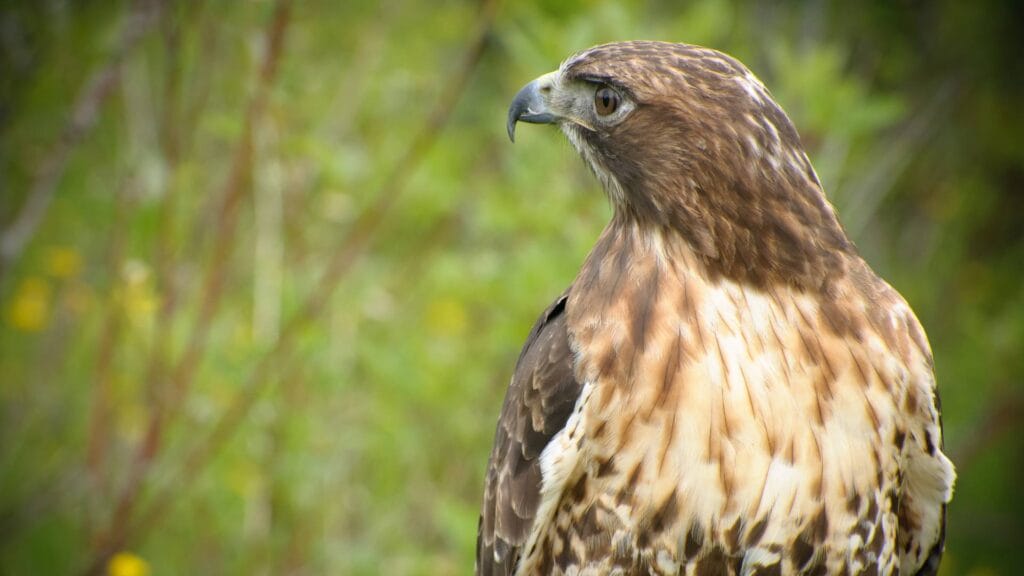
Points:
(266, 322)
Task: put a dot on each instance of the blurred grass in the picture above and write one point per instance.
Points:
(353, 440)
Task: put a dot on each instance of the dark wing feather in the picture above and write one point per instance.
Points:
(537, 405)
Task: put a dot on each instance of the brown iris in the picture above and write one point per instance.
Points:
(606, 101)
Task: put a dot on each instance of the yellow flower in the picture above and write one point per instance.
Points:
(127, 564)
(138, 298)
(29, 310)
(63, 262)
(447, 317)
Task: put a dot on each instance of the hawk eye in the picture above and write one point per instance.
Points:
(606, 101)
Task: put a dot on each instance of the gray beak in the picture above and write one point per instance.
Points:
(529, 106)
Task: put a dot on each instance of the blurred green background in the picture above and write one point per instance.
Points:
(266, 267)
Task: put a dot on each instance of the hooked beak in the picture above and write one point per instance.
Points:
(529, 105)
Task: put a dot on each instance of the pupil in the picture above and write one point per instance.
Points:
(606, 101)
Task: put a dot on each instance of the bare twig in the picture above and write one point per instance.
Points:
(177, 128)
(97, 89)
(110, 335)
(353, 245)
(171, 149)
(234, 190)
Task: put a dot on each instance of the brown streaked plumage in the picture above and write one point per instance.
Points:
(726, 387)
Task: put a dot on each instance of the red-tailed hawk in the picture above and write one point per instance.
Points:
(726, 387)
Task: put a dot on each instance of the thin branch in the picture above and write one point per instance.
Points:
(177, 129)
(171, 150)
(85, 112)
(99, 436)
(234, 190)
(354, 244)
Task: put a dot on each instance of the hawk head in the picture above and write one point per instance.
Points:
(685, 139)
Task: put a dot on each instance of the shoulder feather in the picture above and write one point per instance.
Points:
(538, 403)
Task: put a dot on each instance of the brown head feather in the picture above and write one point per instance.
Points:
(708, 154)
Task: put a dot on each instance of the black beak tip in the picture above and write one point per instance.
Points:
(527, 106)
(520, 108)
(520, 105)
